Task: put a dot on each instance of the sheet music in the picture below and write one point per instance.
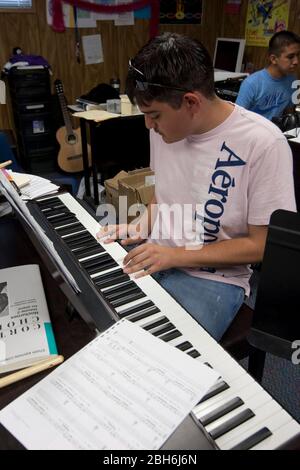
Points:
(20, 206)
(126, 389)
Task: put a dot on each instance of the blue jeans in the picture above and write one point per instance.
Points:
(212, 304)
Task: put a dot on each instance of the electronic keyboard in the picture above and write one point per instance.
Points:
(237, 413)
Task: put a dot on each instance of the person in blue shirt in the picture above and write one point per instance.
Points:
(269, 91)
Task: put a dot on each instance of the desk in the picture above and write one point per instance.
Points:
(70, 335)
(116, 144)
(221, 75)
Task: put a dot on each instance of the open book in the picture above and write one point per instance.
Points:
(26, 334)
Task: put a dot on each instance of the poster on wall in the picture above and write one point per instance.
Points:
(181, 11)
(264, 18)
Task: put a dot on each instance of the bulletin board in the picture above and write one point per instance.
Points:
(264, 18)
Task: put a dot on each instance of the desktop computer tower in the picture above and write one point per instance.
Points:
(31, 101)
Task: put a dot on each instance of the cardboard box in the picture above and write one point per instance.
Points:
(112, 189)
(136, 185)
(138, 188)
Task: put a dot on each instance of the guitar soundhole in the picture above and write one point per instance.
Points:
(71, 139)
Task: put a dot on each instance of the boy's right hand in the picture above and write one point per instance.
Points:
(128, 234)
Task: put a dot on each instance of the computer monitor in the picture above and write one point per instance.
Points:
(229, 54)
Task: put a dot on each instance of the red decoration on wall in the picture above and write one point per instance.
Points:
(233, 7)
(58, 21)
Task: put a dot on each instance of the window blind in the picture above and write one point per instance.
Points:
(15, 3)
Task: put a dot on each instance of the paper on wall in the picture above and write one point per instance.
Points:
(92, 49)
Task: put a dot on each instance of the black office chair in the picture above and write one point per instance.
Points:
(288, 121)
(274, 324)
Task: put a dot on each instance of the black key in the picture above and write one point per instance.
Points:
(102, 267)
(62, 219)
(122, 293)
(53, 213)
(76, 227)
(208, 365)
(253, 440)
(127, 299)
(64, 223)
(111, 280)
(156, 323)
(194, 353)
(80, 243)
(103, 277)
(83, 246)
(221, 411)
(50, 202)
(49, 213)
(163, 330)
(112, 290)
(172, 335)
(232, 423)
(58, 206)
(215, 390)
(80, 236)
(136, 308)
(184, 346)
(147, 313)
(53, 205)
(102, 258)
(87, 251)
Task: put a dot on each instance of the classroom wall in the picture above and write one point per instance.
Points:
(31, 32)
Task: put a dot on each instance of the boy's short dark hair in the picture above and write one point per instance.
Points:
(281, 40)
(177, 63)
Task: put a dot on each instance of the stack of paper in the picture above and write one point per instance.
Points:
(33, 186)
(126, 390)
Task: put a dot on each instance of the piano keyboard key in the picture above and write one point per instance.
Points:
(236, 411)
(221, 410)
(126, 299)
(216, 389)
(253, 439)
(271, 417)
(232, 423)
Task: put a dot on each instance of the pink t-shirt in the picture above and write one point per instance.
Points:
(210, 186)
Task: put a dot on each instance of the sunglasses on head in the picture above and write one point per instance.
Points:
(141, 83)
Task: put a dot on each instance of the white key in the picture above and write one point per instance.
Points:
(64, 237)
(86, 258)
(269, 409)
(280, 436)
(109, 270)
(253, 404)
(274, 423)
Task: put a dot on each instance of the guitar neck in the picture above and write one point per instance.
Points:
(66, 115)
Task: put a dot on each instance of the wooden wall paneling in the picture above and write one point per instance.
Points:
(129, 40)
(30, 31)
(294, 20)
(212, 21)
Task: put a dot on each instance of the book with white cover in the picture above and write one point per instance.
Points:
(26, 334)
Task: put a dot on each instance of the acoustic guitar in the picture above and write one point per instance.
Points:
(69, 139)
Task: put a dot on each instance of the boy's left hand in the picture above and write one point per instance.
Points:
(148, 259)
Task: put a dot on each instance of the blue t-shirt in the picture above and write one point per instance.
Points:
(265, 95)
